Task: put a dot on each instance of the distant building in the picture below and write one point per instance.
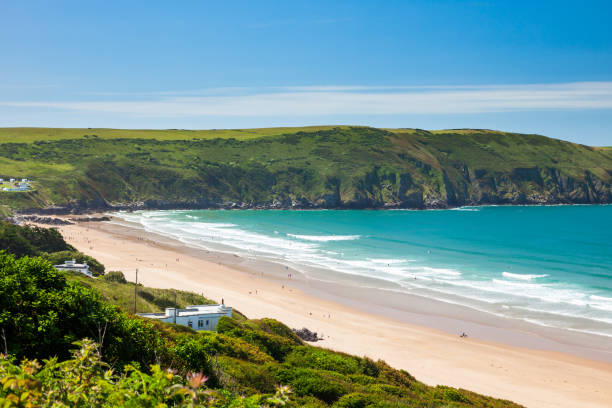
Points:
(198, 317)
(12, 180)
(23, 186)
(71, 265)
(1, 180)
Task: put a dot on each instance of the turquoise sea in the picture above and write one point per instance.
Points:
(549, 265)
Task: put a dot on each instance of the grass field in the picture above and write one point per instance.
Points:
(29, 135)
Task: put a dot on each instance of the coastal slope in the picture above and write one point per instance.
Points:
(76, 170)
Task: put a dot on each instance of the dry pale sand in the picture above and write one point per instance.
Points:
(530, 377)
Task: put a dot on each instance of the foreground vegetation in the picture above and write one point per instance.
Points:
(330, 167)
(64, 343)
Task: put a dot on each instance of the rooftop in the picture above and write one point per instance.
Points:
(72, 264)
(191, 310)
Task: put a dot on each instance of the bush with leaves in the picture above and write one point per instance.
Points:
(86, 381)
(42, 314)
(26, 240)
(270, 343)
(114, 276)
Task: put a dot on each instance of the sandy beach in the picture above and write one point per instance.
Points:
(534, 376)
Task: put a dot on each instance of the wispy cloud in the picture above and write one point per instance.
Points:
(346, 100)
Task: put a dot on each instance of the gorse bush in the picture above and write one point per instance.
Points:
(86, 381)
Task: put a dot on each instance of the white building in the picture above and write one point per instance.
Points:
(23, 186)
(11, 180)
(198, 317)
(71, 265)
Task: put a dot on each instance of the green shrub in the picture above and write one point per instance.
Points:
(354, 400)
(314, 357)
(324, 385)
(114, 276)
(273, 326)
(190, 355)
(396, 377)
(387, 389)
(42, 313)
(243, 376)
(449, 394)
(226, 324)
(362, 379)
(321, 387)
(84, 381)
(274, 345)
(26, 240)
(216, 343)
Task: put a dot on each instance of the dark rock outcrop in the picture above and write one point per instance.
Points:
(307, 335)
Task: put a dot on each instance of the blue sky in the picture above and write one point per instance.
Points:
(528, 66)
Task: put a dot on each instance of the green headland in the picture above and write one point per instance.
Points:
(310, 167)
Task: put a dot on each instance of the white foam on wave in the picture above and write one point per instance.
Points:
(600, 302)
(441, 271)
(604, 298)
(389, 261)
(465, 209)
(325, 238)
(523, 277)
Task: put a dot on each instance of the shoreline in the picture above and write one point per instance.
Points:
(105, 208)
(535, 376)
(387, 298)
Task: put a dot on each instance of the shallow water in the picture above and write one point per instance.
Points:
(547, 265)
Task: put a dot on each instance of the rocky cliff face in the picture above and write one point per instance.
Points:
(524, 186)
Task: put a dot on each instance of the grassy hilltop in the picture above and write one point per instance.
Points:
(311, 167)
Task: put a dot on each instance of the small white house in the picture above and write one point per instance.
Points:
(71, 265)
(22, 186)
(11, 180)
(198, 317)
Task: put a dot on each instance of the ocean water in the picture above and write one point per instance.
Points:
(547, 265)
